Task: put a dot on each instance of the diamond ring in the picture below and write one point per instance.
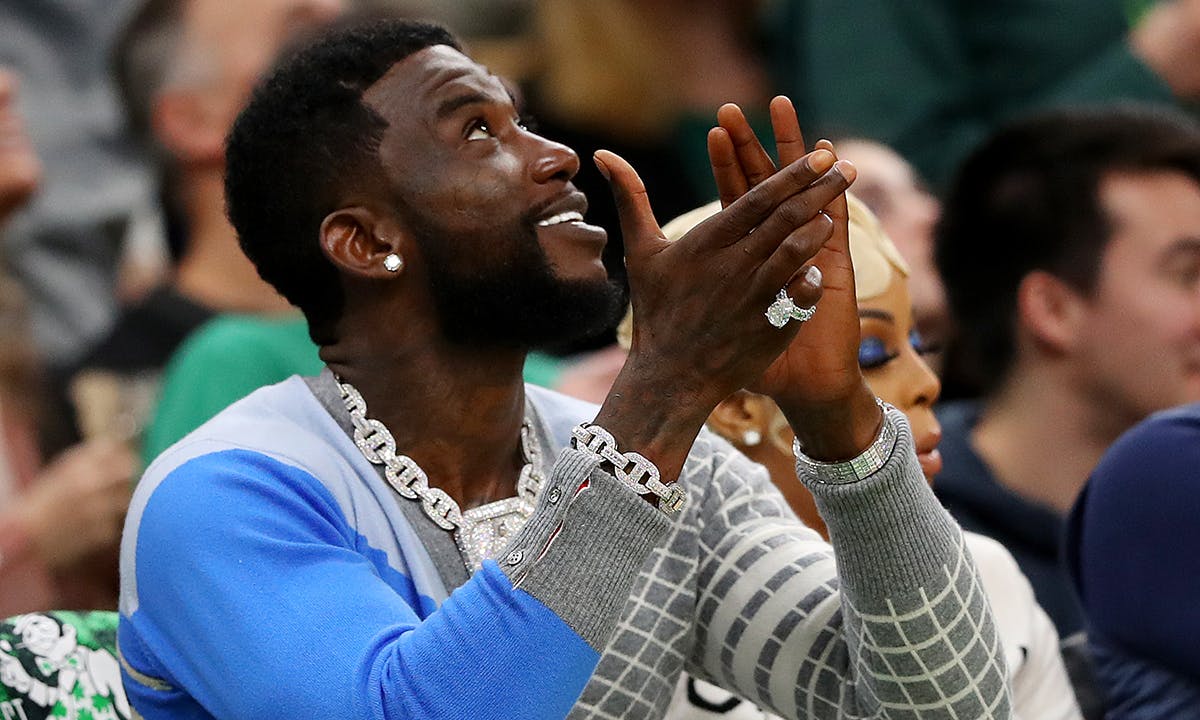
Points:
(783, 310)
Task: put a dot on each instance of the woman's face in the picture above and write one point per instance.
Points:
(890, 357)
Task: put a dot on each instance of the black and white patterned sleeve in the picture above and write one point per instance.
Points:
(895, 624)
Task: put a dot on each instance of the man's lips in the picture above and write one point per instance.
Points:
(568, 207)
(562, 217)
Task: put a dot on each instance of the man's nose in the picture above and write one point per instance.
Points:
(554, 161)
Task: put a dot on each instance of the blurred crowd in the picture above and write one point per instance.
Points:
(1029, 263)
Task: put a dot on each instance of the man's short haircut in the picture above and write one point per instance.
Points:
(1028, 199)
(304, 138)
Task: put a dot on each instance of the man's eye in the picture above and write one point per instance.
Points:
(528, 123)
(872, 353)
(479, 130)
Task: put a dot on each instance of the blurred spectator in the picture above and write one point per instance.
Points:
(1133, 550)
(1070, 249)
(53, 520)
(908, 212)
(185, 68)
(933, 79)
(66, 245)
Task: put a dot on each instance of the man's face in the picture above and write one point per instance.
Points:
(498, 222)
(1141, 343)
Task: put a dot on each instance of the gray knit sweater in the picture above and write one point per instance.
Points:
(889, 622)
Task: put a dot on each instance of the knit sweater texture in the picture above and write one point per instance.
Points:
(269, 570)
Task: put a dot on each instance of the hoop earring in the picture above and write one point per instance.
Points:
(393, 262)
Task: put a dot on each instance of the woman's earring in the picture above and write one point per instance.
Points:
(750, 438)
(393, 262)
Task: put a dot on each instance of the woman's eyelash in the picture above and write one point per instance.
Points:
(872, 353)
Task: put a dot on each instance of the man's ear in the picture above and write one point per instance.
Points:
(183, 123)
(1051, 310)
(740, 419)
(360, 242)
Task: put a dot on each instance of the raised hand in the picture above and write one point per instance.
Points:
(699, 326)
(816, 380)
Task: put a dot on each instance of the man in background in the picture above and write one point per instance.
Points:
(1070, 249)
(184, 69)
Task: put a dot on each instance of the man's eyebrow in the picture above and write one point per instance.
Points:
(452, 104)
(876, 314)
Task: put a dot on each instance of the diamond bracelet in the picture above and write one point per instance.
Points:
(867, 463)
(631, 468)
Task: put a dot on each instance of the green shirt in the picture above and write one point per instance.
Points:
(223, 361)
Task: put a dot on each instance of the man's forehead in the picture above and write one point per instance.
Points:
(429, 75)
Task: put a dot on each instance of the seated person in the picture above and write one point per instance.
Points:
(1068, 249)
(184, 69)
(1132, 547)
(416, 532)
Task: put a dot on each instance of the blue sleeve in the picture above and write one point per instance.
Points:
(256, 598)
(1134, 542)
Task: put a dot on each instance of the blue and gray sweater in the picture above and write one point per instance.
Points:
(268, 570)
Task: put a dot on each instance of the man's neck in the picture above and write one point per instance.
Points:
(456, 411)
(214, 272)
(1041, 437)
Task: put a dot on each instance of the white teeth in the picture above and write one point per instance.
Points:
(568, 216)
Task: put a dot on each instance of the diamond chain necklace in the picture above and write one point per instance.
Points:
(480, 532)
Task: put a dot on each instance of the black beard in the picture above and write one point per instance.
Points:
(517, 303)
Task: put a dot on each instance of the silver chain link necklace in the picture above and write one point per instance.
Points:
(481, 532)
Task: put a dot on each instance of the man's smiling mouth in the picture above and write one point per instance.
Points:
(568, 216)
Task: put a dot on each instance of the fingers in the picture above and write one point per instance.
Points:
(839, 213)
(805, 287)
(756, 164)
(798, 210)
(726, 169)
(786, 266)
(754, 207)
(789, 140)
(639, 230)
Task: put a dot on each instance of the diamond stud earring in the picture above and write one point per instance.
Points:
(393, 262)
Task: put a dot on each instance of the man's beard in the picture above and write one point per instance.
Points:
(517, 302)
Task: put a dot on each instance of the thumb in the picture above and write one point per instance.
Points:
(639, 229)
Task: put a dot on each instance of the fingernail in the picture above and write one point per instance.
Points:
(601, 167)
(813, 276)
(820, 161)
(846, 169)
